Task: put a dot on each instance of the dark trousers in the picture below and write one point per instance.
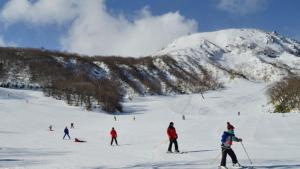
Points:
(230, 152)
(66, 134)
(171, 143)
(112, 140)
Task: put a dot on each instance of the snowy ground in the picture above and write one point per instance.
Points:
(271, 140)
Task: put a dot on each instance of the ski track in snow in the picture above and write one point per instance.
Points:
(271, 140)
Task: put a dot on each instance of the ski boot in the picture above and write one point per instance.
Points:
(237, 165)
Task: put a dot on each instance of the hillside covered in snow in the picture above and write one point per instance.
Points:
(191, 64)
(271, 140)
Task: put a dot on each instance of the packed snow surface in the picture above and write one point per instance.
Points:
(272, 140)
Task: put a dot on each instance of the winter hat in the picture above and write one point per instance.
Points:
(230, 126)
(171, 123)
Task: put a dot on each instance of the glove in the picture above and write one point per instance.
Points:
(240, 139)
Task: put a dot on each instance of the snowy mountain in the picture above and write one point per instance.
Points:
(250, 53)
(191, 64)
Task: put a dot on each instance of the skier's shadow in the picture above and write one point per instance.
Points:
(197, 151)
(9, 160)
(287, 166)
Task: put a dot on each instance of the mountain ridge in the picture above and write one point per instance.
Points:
(253, 53)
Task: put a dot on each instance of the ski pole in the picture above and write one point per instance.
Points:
(246, 153)
(215, 159)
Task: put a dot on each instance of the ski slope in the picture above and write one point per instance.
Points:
(272, 140)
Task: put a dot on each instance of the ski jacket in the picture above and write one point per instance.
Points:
(172, 133)
(66, 131)
(113, 133)
(228, 138)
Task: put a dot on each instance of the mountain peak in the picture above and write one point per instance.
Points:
(254, 53)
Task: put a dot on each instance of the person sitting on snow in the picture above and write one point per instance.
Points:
(77, 140)
(172, 138)
(227, 138)
(114, 136)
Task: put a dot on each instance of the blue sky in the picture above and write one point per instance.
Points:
(134, 27)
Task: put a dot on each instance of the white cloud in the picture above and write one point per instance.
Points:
(94, 31)
(242, 7)
(41, 11)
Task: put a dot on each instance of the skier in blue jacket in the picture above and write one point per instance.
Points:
(66, 131)
(227, 139)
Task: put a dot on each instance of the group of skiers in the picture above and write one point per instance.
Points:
(227, 139)
(113, 134)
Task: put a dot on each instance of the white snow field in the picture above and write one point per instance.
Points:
(272, 140)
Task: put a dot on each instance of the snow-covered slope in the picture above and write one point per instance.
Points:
(254, 54)
(271, 140)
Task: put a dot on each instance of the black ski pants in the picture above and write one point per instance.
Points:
(112, 140)
(230, 152)
(171, 143)
(66, 134)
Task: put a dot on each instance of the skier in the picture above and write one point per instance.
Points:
(239, 113)
(72, 126)
(172, 137)
(66, 131)
(50, 128)
(227, 138)
(114, 135)
(183, 117)
(115, 118)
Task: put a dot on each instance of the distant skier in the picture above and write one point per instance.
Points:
(133, 118)
(50, 128)
(183, 117)
(115, 118)
(72, 126)
(172, 138)
(227, 138)
(66, 131)
(239, 113)
(114, 136)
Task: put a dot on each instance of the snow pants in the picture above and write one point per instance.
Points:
(171, 143)
(66, 134)
(112, 140)
(230, 152)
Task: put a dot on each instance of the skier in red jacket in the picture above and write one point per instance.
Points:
(114, 135)
(172, 137)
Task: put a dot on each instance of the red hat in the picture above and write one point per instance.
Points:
(230, 126)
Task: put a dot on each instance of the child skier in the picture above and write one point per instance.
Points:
(66, 131)
(227, 138)
(172, 137)
(114, 135)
